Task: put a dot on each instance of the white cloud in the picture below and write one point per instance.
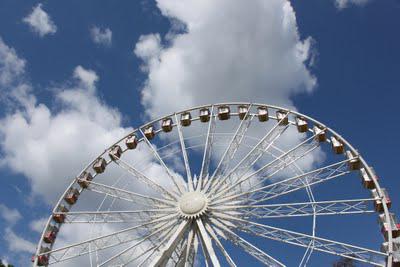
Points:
(10, 65)
(55, 145)
(148, 46)
(250, 52)
(17, 243)
(101, 36)
(40, 22)
(10, 215)
(50, 147)
(38, 225)
(88, 78)
(340, 4)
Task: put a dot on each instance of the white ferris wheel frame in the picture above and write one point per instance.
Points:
(208, 235)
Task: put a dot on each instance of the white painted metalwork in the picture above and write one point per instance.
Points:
(169, 210)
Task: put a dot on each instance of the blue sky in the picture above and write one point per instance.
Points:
(335, 61)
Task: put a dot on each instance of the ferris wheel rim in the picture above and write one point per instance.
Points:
(368, 169)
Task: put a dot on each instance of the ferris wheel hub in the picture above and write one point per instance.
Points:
(192, 204)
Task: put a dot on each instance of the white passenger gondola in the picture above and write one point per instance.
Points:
(84, 179)
(59, 218)
(320, 134)
(50, 234)
(42, 260)
(337, 146)
(99, 165)
(166, 125)
(393, 223)
(367, 180)
(378, 201)
(224, 112)
(242, 111)
(262, 114)
(131, 141)
(282, 117)
(71, 196)
(302, 125)
(204, 115)
(149, 132)
(354, 162)
(186, 119)
(115, 152)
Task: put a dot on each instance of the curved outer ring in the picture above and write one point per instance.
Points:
(314, 121)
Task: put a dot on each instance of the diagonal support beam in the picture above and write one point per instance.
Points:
(179, 184)
(113, 216)
(232, 148)
(105, 241)
(285, 210)
(357, 253)
(276, 165)
(128, 195)
(184, 155)
(219, 245)
(248, 247)
(169, 248)
(144, 179)
(205, 165)
(207, 244)
(288, 185)
(251, 158)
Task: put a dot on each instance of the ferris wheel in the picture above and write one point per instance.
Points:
(230, 184)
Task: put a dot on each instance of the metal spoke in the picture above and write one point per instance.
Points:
(165, 237)
(248, 247)
(205, 165)
(291, 184)
(128, 195)
(296, 169)
(179, 184)
(219, 245)
(105, 241)
(143, 178)
(182, 256)
(251, 158)
(184, 155)
(208, 249)
(113, 216)
(276, 165)
(179, 254)
(122, 258)
(191, 250)
(333, 207)
(319, 244)
(166, 253)
(233, 146)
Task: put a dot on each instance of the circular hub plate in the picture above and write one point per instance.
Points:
(192, 203)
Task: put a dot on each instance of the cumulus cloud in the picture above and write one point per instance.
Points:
(11, 65)
(17, 243)
(253, 52)
(340, 4)
(50, 146)
(101, 36)
(9, 215)
(38, 225)
(40, 22)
